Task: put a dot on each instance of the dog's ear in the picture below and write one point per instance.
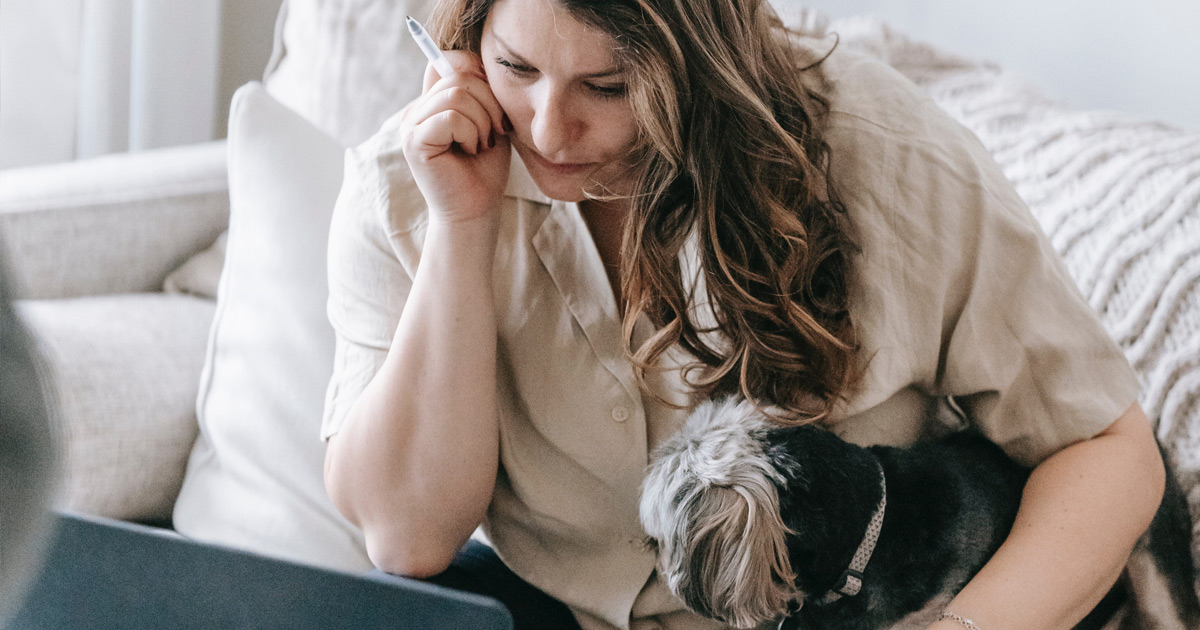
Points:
(711, 502)
(737, 564)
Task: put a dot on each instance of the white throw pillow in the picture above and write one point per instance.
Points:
(254, 478)
(347, 65)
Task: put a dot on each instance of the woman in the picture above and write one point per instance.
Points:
(702, 204)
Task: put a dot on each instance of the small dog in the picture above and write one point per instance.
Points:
(754, 522)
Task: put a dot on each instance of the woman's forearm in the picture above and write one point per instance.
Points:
(415, 462)
(1082, 511)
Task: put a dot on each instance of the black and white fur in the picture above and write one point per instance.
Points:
(748, 516)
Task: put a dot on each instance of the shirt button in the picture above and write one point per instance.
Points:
(620, 414)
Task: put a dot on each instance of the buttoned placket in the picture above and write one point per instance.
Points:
(564, 245)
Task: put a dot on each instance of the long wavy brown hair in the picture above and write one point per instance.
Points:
(730, 159)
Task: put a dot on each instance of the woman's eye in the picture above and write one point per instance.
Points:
(602, 91)
(608, 91)
(514, 68)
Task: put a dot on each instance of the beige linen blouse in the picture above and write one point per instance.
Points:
(957, 293)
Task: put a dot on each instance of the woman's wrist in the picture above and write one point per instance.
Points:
(470, 208)
(954, 621)
(463, 237)
(476, 221)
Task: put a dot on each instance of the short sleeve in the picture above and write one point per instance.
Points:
(1023, 353)
(369, 273)
(957, 291)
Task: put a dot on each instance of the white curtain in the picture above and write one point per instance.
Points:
(106, 42)
(173, 76)
(39, 87)
(80, 78)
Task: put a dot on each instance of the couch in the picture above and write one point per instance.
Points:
(177, 296)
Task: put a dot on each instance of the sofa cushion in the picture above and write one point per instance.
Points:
(254, 479)
(200, 274)
(123, 371)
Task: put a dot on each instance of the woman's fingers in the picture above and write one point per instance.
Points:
(476, 88)
(435, 134)
(470, 75)
(455, 99)
(462, 62)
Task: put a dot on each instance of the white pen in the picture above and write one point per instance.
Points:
(432, 52)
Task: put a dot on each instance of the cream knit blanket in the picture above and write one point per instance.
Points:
(1119, 198)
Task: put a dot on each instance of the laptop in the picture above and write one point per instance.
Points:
(103, 574)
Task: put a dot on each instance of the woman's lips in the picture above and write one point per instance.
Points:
(564, 168)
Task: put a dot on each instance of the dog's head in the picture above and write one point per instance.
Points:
(710, 504)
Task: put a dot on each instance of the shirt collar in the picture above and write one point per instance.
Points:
(521, 184)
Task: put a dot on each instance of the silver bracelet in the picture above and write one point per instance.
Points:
(966, 623)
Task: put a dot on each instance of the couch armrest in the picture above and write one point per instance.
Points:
(114, 224)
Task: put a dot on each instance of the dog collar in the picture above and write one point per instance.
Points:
(851, 581)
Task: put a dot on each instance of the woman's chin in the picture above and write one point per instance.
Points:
(557, 189)
(559, 186)
(571, 189)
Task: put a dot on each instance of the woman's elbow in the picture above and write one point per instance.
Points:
(390, 546)
(407, 557)
(335, 488)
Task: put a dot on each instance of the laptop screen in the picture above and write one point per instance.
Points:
(103, 574)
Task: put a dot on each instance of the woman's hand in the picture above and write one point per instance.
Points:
(455, 142)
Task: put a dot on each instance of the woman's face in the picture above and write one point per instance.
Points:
(558, 82)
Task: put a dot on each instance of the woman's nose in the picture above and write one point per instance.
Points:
(554, 128)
